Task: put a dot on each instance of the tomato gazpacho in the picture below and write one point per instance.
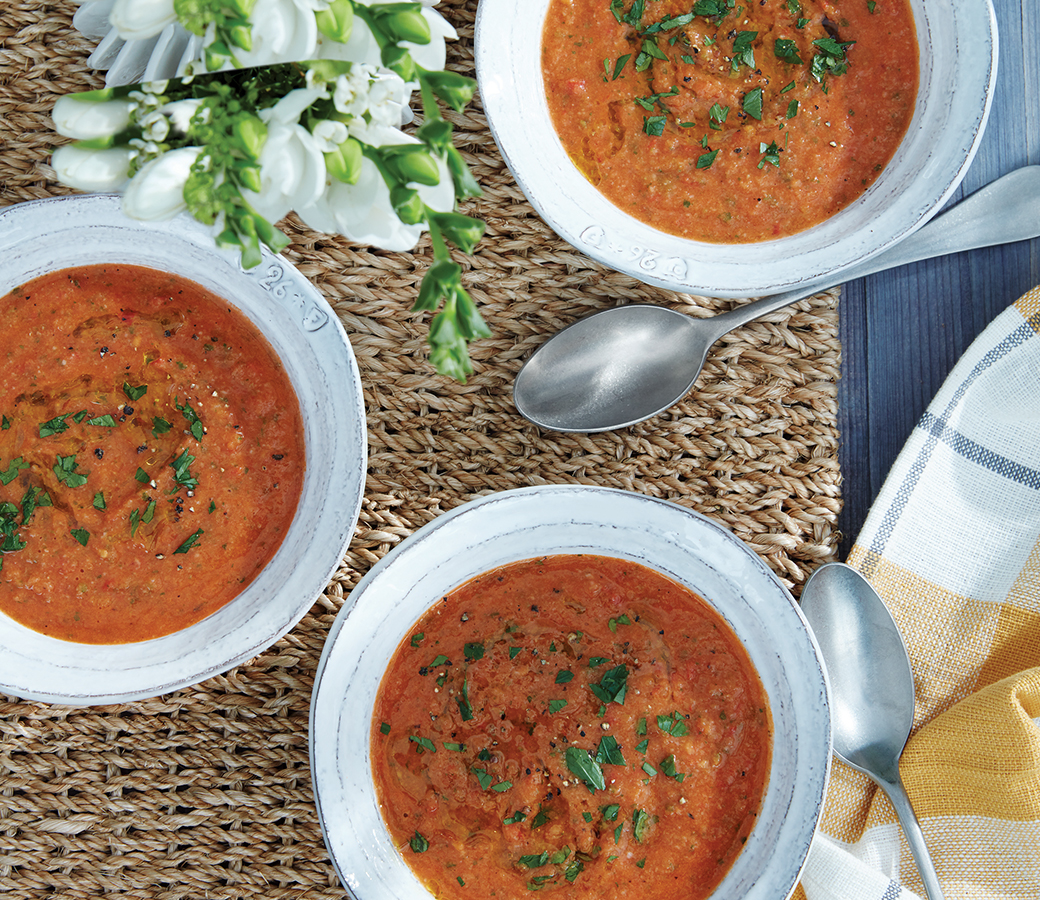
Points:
(730, 121)
(151, 453)
(575, 723)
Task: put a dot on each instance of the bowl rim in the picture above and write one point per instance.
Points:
(389, 599)
(507, 46)
(79, 229)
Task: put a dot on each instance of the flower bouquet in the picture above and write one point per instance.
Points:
(240, 148)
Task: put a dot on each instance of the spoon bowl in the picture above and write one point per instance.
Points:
(872, 689)
(627, 363)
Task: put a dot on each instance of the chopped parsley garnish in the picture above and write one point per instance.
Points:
(160, 426)
(556, 705)
(705, 160)
(5, 423)
(12, 470)
(384, 728)
(675, 724)
(137, 517)
(787, 50)
(54, 426)
(743, 51)
(194, 422)
(752, 103)
(515, 818)
(609, 752)
(134, 393)
(419, 844)
(792, 109)
(417, 638)
(619, 66)
(612, 624)
(452, 745)
(65, 470)
(424, 743)
(483, 777)
(181, 473)
(99, 500)
(610, 812)
(770, 154)
(563, 676)
(474, 651)
(581, 764)
(830, 58)
(640, 824)
(81, 535)
(717, 116)
(190, 542)
(514, 652)
(142, 476)
(463, 702)
(711, 8)
(612, 685)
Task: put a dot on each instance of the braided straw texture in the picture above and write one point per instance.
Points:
(207, 792)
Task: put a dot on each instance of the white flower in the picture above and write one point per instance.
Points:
(137, 19)
(375, 98)
(156, 192)
(155, 126)
(180, 113)
(363, 213)
(85, 120)
(282, 31)
(293, 105)
(315, 5)
(292, 172)
(329, 134)
(92, 170)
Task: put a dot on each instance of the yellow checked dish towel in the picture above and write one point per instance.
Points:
(952, 544)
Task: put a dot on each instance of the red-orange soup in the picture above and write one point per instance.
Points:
(151, 453)
(577, 724)
(730, 122)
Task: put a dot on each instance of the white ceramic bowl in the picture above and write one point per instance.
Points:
(527, 523)
(45, 235)
(958, 63)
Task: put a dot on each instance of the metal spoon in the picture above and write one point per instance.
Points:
(628, 363)
(872, 689)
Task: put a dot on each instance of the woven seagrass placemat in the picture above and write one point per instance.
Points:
(206, 793)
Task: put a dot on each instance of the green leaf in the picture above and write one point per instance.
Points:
(190, 542)
(585, 767)
(752, 103)
(463, 701)
(11, 473)
(142, 476)
(81, 535)
(556, 705)
(65, 470)
(612, 685)
(483, 777)
(424, 743)
(54, 426)
(105, 421)
(608, 752)
(99, 500)
(474, 650)
(134, 393)
(564, 676)
(534, 860)
(640, 824)
(787, 50)
(384, 728)
(705, 160)
(418, 843)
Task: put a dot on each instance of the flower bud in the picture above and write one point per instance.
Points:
(92, 170)
(415, 165)
(408, 25)
(344, 163)
(85, 120)
(399, 60)
(250, 134)
(137, 19)
(157, 191)
(337, 21)
(407, 204)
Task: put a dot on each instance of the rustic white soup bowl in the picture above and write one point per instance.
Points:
(958, 64)
(45, 235)
(530, 522)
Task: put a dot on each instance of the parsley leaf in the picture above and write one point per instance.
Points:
(581, 764)
(65, 470)
(752, 103)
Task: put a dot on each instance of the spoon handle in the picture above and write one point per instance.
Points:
(915, 837)
(1002, 212)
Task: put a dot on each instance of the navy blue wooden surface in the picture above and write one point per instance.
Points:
(903, 330)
